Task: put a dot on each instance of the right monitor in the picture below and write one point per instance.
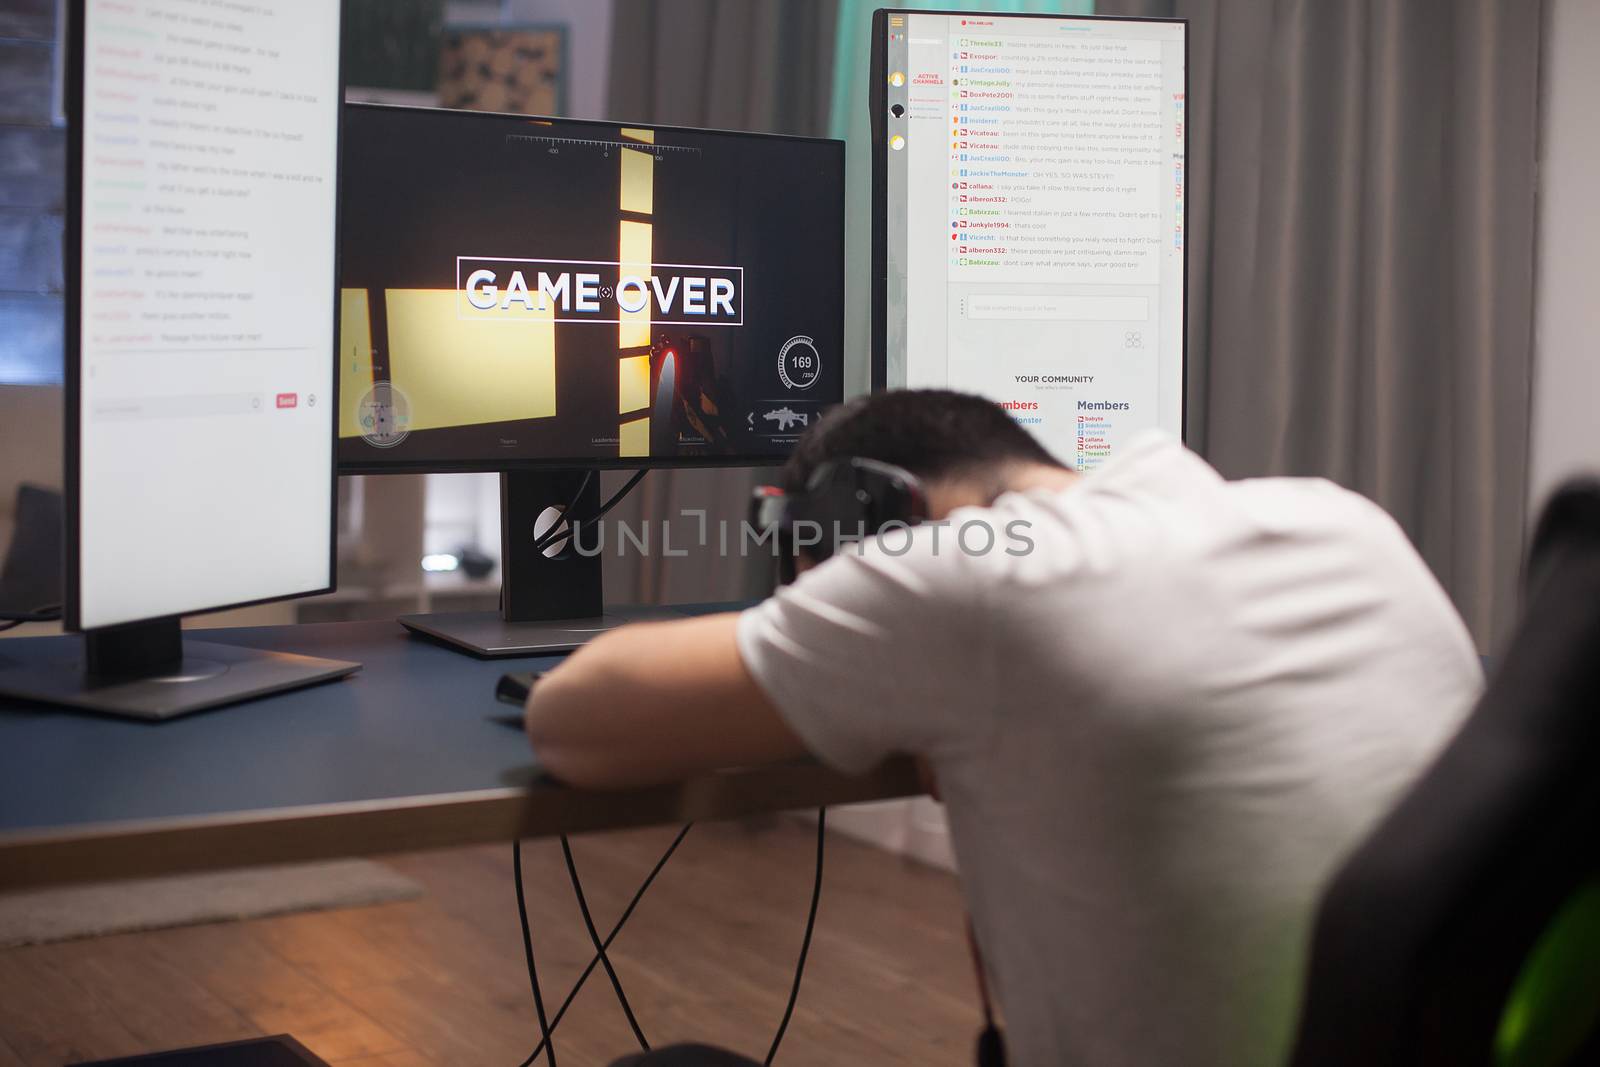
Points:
(1028, 184)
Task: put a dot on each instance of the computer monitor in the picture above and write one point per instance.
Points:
(1029, 216)
(547, 297)
(200, 252)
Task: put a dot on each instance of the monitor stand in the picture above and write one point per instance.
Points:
(148, 671)
(551, 599)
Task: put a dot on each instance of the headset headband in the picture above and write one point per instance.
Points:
(848, 498)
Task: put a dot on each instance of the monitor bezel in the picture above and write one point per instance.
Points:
(876, 98)
(500, 464)
(75, 12)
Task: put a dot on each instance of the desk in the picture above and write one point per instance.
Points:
(398, 757)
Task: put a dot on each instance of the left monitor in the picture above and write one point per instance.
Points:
(201, 251)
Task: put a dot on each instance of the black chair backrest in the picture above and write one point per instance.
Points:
(1466, 930)
(30, 578)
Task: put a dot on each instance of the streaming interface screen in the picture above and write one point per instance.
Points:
(206, 304)
(534, 290)
(1034, 218)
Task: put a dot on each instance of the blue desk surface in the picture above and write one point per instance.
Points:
(83, 796)
(412, 721)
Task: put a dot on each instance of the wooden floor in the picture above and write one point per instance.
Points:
(709, 955)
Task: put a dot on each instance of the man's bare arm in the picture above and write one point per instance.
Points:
(655, 702)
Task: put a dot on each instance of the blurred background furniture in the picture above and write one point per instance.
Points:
(30, 574)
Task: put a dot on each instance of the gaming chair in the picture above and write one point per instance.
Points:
(1466, 930)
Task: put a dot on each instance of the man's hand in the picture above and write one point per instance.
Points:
(655, 702)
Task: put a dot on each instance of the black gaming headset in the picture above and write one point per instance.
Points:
(844, 499)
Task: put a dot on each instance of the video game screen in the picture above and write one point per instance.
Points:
(532, 291)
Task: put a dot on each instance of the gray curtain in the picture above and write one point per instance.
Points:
(1362, 188)
(763, 65)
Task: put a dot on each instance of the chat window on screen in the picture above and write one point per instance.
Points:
(1035, 220)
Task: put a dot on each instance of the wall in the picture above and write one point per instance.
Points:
(1566, 386)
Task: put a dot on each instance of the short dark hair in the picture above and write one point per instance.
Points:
(933, 433)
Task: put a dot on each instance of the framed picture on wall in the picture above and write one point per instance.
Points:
(519, 68)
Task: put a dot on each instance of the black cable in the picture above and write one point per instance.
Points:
(13, 619)
(805, 944)
(527, 952)
(612, 936)
(600, 949)
(560, 526)
(546, 1043)
(564, 526)
(616, 498)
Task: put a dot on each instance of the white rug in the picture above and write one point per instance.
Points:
(38, 916)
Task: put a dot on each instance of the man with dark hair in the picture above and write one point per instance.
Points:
(1158, 719)
(932, 433)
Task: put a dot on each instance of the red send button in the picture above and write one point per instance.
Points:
(288, 400)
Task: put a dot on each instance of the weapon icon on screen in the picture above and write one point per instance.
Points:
(787, 418)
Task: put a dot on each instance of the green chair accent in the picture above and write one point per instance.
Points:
(1555, 1004)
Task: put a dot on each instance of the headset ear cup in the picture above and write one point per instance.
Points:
(886, 493)
(846, 498)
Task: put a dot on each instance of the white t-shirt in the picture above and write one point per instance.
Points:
(1157, 731)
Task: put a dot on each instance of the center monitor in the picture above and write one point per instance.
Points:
(543, 297)
(543, 293)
